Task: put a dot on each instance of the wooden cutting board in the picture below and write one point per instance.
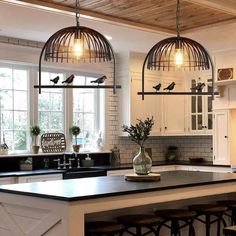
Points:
(142, 178)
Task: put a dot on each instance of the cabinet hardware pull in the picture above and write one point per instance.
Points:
(226, 136)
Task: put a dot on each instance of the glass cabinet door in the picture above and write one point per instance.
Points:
(196, 108)
(201, 106)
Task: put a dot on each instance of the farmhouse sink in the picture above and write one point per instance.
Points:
(83, 172)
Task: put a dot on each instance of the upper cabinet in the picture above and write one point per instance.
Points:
(200, 106)
(173, 114)
(151, 106)
(173, 108)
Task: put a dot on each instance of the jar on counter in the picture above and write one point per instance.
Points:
(172, 153)
(115, 156)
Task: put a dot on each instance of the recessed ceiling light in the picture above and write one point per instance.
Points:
(108, 37)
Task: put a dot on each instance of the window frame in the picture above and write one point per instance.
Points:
(20, 66)
(33, 97)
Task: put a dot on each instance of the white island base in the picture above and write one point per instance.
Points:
(22, 215)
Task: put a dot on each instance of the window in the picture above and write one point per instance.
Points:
(14, 120)
(51, 106)
(85, 108)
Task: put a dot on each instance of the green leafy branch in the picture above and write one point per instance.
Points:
(139, 132)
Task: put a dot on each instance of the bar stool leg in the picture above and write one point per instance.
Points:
(175, 231)
(138, 231)
(208, 225)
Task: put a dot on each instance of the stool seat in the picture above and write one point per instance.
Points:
(208, 211)
(207, 208)
(175, 220)
(103, 227)
(231, 230)
(176, 213)
(138, 219)
(140, 222)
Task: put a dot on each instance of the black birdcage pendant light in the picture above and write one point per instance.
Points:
(75, 44)
(177, 53)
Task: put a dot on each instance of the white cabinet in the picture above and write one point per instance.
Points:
(173, 109)
(220, 138)
(200, 107)
(39, 178)
(173, 114)
(210, 169)
(151, 106)
(7, 180)
(119, 172)
(163, 168)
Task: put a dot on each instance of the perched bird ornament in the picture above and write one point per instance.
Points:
(100, 80)
(55, 80)
(170, 86)
(157, 87)
(69, 80)
(199, 87)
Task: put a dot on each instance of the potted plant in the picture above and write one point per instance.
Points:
(75, 131)
(139, 133)
(26, 164)
(34, 132)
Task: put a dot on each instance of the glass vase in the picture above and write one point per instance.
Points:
(142, 163)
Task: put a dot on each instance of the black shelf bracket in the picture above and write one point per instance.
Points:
(176, 93)
(78, 86)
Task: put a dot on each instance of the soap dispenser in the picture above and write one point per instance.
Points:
(88, 162)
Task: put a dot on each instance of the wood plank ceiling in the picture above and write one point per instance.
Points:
(152, 14)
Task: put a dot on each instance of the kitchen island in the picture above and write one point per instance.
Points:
(59, 207)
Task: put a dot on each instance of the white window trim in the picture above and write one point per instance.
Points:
(67, 97)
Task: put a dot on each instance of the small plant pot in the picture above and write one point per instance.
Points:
(76, 148)
(35, 149)
(26, 167)
(3, 151)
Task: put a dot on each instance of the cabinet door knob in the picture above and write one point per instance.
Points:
(226, 136)
(165, 127)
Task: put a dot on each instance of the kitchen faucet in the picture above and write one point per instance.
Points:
(64, 164)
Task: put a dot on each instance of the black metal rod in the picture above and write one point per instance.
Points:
(78, 86)
(176, 93)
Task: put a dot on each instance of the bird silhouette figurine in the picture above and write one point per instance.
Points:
(99, 80)
(55, 80)
(199, 87)
(69, 80)
(170, 86)
(157, 87)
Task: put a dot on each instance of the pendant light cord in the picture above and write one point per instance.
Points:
(177, 19)
(77, 13)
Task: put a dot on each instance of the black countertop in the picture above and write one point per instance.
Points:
(98, 187)
(106, 167)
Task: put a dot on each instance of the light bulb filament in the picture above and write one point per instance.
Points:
(78, 47)
(178, 57)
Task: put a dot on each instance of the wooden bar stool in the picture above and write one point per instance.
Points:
(139, 223)
(178, 219)
(103, 228)
(231, 209)
(230, 231)
(209, 211)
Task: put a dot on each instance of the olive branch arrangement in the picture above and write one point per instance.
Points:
(139, 132)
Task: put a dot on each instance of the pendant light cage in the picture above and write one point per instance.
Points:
(77, 44)
(60, 46)
(162, 56)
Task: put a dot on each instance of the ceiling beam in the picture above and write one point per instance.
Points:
(92, 15)
(226, 6)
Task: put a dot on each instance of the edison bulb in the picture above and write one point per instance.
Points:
(78, 48)
(178, 57)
